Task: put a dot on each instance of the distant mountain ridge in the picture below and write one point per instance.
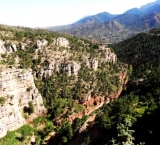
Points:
(100, 17)
(133, 11)
(145, 7)
(114, 27)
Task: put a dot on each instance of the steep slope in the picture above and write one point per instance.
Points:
(126, 19)
(146, 22)
(142, 52)
(141, 49)
(141, 100)
(154, 9)
(18, 90)
(73, 76)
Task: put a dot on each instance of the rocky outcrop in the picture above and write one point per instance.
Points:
(14, 47)
(71, 68)
(18, 89)
(61, 42)
(41, 44)
(4, 48)
(92, 63)
(55, 66)
(109, 56)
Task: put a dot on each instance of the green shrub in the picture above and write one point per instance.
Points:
(18, 137)
(2, 100)
(31, 107)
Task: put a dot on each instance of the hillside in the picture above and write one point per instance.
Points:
(55, 77)
(146, 23)
(134, 117)
(141, 51)
(57, 89)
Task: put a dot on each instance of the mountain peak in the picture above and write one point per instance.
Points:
(100, 17)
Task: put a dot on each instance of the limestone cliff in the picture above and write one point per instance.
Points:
(61, 42)
(18, 88)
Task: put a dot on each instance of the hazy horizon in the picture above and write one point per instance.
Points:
(40, 13)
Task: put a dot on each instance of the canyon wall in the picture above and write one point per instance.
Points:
(17, 89)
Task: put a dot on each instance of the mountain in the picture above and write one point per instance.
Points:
(100, 17)
(147, 6)
(146, 22)
(88, 20)
(154, 9)
(134, 11)
(100, 27)
(94, 30)
(126, 18)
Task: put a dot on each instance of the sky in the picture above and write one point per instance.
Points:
(44, 13)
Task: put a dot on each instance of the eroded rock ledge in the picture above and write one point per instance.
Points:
(18, 89)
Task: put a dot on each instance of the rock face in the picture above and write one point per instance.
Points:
(92, 63)
(2, 47)
(18, 89)
(55, 66)
(7, 49)
(41, 44)
(60, 42)
(71, 68)
(108, 54)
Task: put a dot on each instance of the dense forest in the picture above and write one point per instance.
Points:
(133, 118)
(139, 103)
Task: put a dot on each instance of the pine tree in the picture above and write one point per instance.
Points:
(124, 133)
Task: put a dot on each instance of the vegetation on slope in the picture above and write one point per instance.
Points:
(62, 94)
(141, 100)
(141, 51)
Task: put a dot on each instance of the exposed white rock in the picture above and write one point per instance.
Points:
(14, 48)
(92, 63)
(44, 72)
(18, 88)
(71, 68)
(2, 47)
(108, 54)
(55, 66)
(41, 43)
(61, 42)
(7, 49)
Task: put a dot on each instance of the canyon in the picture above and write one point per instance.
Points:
(30, 69)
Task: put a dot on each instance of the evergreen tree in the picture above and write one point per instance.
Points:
(125, 136)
